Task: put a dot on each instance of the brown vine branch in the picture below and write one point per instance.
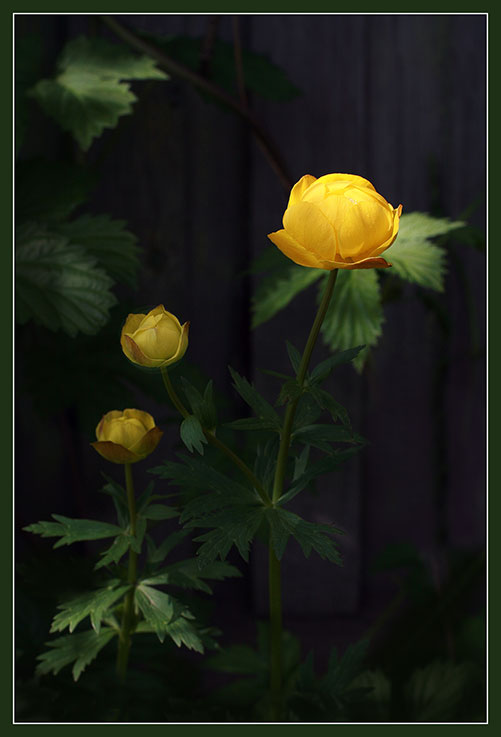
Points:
(179, 70)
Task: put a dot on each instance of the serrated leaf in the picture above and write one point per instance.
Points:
(187, 574)
(277, 290)
(94, 604)
(115, 552)
(251, 396)
(307, 412)
(326, 401)
(413, 256)
(324, 369)
(136, 540)
(203, 407)
(321, 436)
(119, 496)
(81, 649)
(232, 527)
(251, 423)
(309, 535)
(88, 93)
(59, 285)
(192, 434)
(108, 242)
(319, 468)
(73, 530)
(290, 391)
(355, 314)
(167, 616)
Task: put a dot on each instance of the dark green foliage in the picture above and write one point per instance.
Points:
(309, 535)
(251, 396)
(108, 242)
(202, 406)
(192, 434)
(95, 604)
(88, 93)
(79, 649)
(73, 530)
(58, 284)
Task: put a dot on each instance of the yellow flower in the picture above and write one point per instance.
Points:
(126, 437)
(156, 339)
(338, 221)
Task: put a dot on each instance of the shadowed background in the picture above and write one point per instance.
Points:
(398, 99)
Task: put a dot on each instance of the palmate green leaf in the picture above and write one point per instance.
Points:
(319, 468)
(232, 526)
(73, 530)
(321, 436)
(309, 535)
(166, 616)
(59, 285)
(326, 401)
(94, 604)
(280, 288)
(80, 649)
(88, 93)
(251, 396)
(108, 242)
(202, 406)
(192, 434)
(355, 313)
(119, 496)
(187, 574)
(413, 256)
(324, 368)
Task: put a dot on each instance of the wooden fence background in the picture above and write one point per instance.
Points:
(399, 99)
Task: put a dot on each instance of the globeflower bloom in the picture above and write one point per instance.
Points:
(126, 437)
(154, 340)
(338, 221)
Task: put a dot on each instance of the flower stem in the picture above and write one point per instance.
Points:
(275, 596)
(211, 438)
(128, 610)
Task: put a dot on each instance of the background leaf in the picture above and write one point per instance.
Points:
(413, 256)
(80, 648)
(355, 314)
(89, 94)
(59, 285)
(108, 242)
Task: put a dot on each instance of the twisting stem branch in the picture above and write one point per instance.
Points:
(179, 70)
(275, 594)
(211, 438)
(128, 610)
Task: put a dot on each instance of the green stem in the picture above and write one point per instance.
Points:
(211, 438)
(275, 595)
(128, 610)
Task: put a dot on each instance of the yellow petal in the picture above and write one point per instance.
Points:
(143, 417)
(309, 227)
(286, 243)
(132, 323)
(134, 353)
(148, 442)
(300, 188)
(101, 429)
(114, 453)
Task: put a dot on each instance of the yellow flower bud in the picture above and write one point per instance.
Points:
(126, 437)
(338, 221)
(154, 340)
